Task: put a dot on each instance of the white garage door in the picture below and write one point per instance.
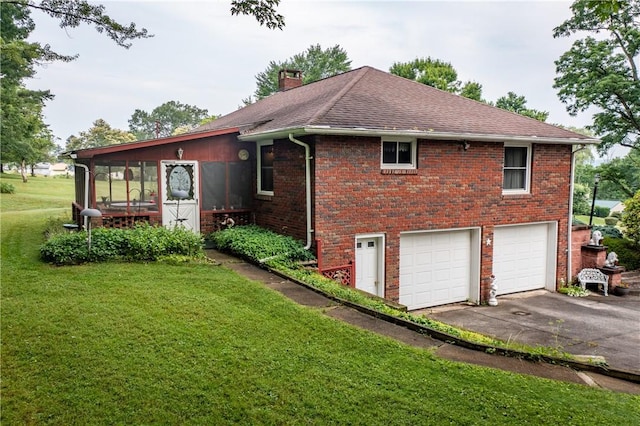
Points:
(521, 257)
(435, 268)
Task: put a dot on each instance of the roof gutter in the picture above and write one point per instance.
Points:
(307, 171)
(422, 134)
(570, 226)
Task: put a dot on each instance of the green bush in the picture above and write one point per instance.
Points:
(65, 249)
(146, 242)
(140, 244)
(55, 225)
(7, 188)
(627, 251)
(611, 221)
(617, 215)
(631, 219)
(258, 244)
(581, 204)
(600, 211)
(608, 231)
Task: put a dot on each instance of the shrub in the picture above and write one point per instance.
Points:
(65, 249)
(600, 211)
(55, 225)
(617, 215)
(7, 188)
(610, 221)
(580, 200)
(608, 231)
(627, 251)
(258, 244)
(142, 243)
(146, 242)
(631, 218)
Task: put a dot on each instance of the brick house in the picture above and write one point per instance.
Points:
(418, 194)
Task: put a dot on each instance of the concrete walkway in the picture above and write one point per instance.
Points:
(481, 319)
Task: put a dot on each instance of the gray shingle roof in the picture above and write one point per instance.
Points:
(367, 98)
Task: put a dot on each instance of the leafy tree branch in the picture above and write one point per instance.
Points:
(72, 14)
(600, 71)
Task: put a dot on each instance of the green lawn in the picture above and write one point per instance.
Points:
(599, 221)
(198, 344)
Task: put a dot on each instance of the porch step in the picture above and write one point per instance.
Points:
(633, 279)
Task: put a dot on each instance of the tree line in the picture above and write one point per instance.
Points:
(598, 72)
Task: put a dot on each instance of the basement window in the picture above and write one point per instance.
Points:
(398, 153)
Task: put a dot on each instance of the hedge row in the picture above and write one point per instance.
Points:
(141, 243)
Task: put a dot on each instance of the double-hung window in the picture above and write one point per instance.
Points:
(398, 153)
(517, 169)
(265, 167)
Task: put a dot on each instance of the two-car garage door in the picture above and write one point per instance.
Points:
(441, 267)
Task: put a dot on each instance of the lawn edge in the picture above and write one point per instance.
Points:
(617, 373)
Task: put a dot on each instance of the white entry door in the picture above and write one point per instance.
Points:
(180, 191)
(368, 266)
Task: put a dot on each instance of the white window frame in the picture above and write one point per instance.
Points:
(259, 146)
(414, 153)
(527, 181)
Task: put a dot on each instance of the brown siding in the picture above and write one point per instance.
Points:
(223, 148)
(218, 148)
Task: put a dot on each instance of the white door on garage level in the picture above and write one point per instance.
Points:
(435, 268)
(368, 265)
(524, 257)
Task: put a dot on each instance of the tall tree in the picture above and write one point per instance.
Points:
(601, 69)
(100, 134)
(24, 134)
(439, 74)
(165, 119)
(518, 104)
(620, 177)
(432, 72)
(472, 90)
(21, 120)
(315, 64)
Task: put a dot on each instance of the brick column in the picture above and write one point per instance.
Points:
(593, 256)
(614, 274)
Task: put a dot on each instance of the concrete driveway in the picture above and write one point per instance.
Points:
(595, 325)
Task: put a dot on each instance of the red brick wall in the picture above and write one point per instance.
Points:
(452, 188)
(285, 211)
(580, 235)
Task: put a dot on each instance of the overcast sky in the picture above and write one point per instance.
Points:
(203, 56)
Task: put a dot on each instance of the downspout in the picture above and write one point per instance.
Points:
(569, 227)
(86, 191)
(308, 158)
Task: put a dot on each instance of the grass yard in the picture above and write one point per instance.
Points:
(197, 344)
(598, 221)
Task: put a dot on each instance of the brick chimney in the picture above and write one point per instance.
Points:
(289, 79)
